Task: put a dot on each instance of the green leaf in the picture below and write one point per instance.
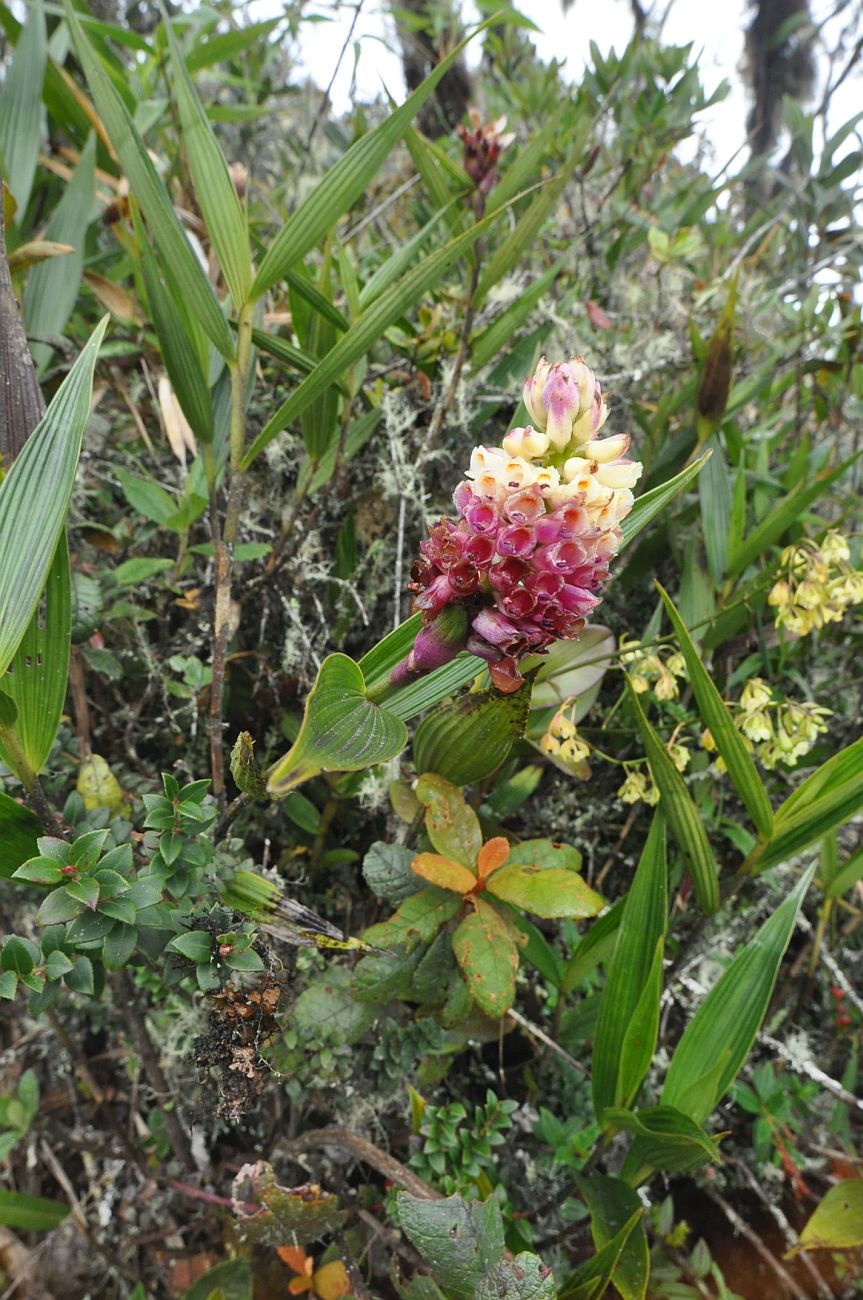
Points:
(570, 669)
(366, 330)
(714, 494)
(60, 905)
(525, 232)
(826, 799)
(837, 1223)
(791, 508)
(452, 825)
(216, 193)
(247, 960)
(21, 114)
(36, 678)
(34, 498)
(315, 475)
(52, 287)
(466, 739)
(494, 338)
(591, 1280)
(544, 853)
(488, 957)
(19, 829)
(612, 1204)
(30, 1213)
(846, 876)
(665, 1138)
(652, 503)
(546, 891)
(120, 943)
(401, 260)
(231, 1280)
(729, 1018)
(85, 890)
(683, 818)
(39, 871)
(342, 731)
(417, 920)
(596, 946)
(461, 1240)
(387, 872)
(18, 955)
(639, 940)
(150, 192)
(345, 182)
(716, 717)
(319, 421)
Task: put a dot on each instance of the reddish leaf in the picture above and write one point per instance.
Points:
(492, 855)
(441, 871)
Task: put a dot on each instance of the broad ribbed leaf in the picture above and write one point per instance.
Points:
(21, 107)
(148, 189)
(467, 738)
(652, 503)
(665, 1138)
(34, 498)
(52, 287)
(345, 182)
(342, 731)
(642, 929)
(216, 193)
(612, 1204)
(825, 800)
(683, 817)
(591, 1279)
(728, 740)
(525, 232)
(714, 494)
(19, 830)
(488, 956)
(36, 678)
(728, 1020)
(366, 330)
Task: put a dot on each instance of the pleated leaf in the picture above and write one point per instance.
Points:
(342, 730)
(221, 208)
(467, 738)
(640, 936)
(36, 678)
(346, 181)
(21, 107)
(726, 1024)
(34, 498)
(150, 192)
(716, 717)
(683, 817)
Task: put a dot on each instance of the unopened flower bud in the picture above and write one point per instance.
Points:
(436, 644)
(565, 401)
(528, 443)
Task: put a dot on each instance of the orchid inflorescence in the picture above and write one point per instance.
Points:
(818, 584)
(539, 524)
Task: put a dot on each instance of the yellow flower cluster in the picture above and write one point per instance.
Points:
(639, 786)
(817, 585)
(649, 671)
(775, 731)
(562, 740)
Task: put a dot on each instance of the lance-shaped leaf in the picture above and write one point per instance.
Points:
(30, 1213)
(216, 193)
(34, 498)
(591, 1279)
(548, 892)
(652, 503)
(21, 114)
(146, 185)
(466, 739)
(686, 825)
(488, 956)
(366, 330)
(727, 1022)
(639, 938)
(716, 717)
(36, 678)
(612, 1204)
(825, 800)
(665, 1138)
(342, 731)
(346, 181)
(19, 830)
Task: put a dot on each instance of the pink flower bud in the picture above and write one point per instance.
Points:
(565, 401)
(436, 644)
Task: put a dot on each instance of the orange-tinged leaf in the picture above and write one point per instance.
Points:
(440, 871)
(294, 1256)
(332, 1281)
(488, 958)
(300, 1285)
(492, 855)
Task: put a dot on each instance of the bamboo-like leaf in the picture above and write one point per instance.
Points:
(346, 181)
(525, 232)
(400, 261)
(652, 503)
(665, 1138)
(319, 421)
(19, 830)
(728, 1020)
(686, 825)
(612, 1204)
(366, 330)
(501, 332)
(52, 287)
(596, 946)
(36, 677)
(150, 192)
(716, 717)
(846, 876)
(528, 159)
(221, 208)
(34, 498)
(342, 731)
(21, 112)
(591, 1279)
(782, 516)
(640, 936)
(315, 475)
(714, 494)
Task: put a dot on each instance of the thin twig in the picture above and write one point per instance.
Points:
(534, 1031)
(755, 1241)
(391, 1169)
(787, 1231)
